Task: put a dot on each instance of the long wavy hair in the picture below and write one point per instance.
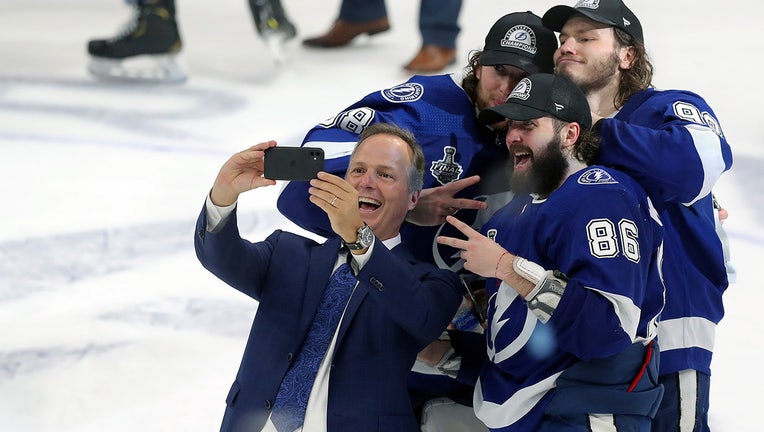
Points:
(640, 76)
(470, 80)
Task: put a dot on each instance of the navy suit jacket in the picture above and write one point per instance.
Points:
(398, 307)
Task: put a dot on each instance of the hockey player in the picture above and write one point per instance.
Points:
(670, 142)
(466, 161)
(147, 48)
(575, 284)
(441, 112)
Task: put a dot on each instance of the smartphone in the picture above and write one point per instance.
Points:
(293, 163)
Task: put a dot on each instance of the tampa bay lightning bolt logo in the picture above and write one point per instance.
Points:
(446, 170)
(596, 176)
(520, 37)
(522, 90)
(402, 93)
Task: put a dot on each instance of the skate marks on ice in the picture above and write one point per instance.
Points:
(33, 266)
(214, 317)
(73, 275)
(155, 115)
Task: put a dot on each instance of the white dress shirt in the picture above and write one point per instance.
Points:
(315, 415)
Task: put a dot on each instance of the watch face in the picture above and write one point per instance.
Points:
(364, 240)
(365, 236)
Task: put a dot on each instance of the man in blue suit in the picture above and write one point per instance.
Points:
(396, 306)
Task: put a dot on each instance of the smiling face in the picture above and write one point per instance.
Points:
(539, 163)
(379, 171)
(589, 54)
(495, 83)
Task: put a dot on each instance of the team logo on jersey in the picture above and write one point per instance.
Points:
(520, 37)
(596, 176)
(522, 90)
(446, 170)
(402, 93)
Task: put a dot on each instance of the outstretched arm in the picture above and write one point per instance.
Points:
(241, 173)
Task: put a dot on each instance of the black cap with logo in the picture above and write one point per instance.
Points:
(519, 39)
(610, 12)
(540, 95)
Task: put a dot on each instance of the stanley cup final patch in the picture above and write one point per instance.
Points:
(446, 170)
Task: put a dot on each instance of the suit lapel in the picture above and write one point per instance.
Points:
(360, 292)
(320, 266)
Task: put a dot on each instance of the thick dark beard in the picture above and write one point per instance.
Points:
(546, 173)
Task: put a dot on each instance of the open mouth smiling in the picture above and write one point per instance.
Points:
(522, 158)
(368, 204)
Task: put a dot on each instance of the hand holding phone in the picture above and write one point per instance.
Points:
(293, 163)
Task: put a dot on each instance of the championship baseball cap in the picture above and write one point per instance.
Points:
(519, 39)
(610, 12)
(540, 95)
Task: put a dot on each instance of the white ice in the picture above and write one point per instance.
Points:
(107, 320)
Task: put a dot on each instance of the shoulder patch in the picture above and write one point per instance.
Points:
(596, 176)
(402, 93)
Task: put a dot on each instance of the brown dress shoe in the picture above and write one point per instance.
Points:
(342, 32)
(431, 58)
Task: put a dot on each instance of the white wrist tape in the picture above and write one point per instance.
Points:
(547, 292)
(529, 270)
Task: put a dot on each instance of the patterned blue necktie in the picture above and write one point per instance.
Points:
(292, 399)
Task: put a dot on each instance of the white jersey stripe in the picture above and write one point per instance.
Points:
(686, 333)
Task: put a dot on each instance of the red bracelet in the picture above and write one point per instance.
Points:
(496, 272)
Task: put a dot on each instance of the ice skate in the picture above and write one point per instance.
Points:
(272, 25)
(145, 50)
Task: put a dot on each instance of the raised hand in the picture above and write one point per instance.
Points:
(481, 255)
(339, 200)
(242, 172)
(437, 203)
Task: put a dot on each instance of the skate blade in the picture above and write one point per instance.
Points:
(276, 46)
(277, 43)
(146, 69)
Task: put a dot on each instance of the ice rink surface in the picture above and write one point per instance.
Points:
(107, 320)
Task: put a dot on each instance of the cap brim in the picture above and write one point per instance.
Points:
(512, 111)
(492, 58)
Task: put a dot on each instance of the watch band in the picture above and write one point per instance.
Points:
(364, 239)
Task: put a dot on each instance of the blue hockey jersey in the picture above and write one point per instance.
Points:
(456, 145)
(599, 229)
(671, 142)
